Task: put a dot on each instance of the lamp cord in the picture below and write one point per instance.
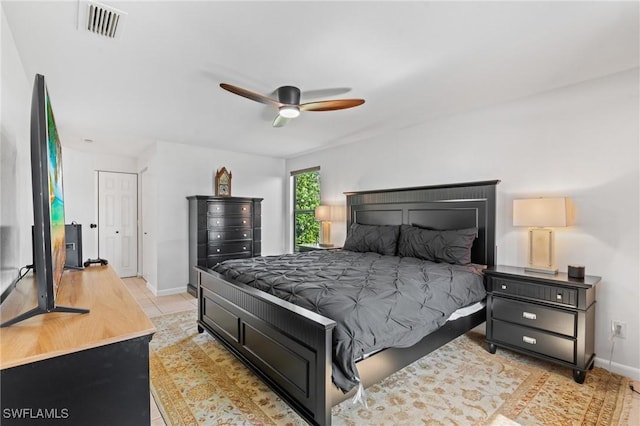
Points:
(613, 342)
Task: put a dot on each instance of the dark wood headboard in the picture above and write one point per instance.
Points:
(442, 207)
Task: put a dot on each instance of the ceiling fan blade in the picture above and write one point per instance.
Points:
(251, 95)
(331, 105)
(280, 121)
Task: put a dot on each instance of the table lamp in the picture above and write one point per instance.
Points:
(541, 215)
(323, 215)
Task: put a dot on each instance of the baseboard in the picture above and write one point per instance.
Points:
(169, 291)
(623, 370)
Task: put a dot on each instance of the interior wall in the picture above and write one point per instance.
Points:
(16, 213)
(580, 141)
(80, 171)
(184, 170)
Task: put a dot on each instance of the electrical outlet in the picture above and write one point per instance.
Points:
(619, 329)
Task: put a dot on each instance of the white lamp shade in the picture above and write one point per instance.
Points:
(323, 213)
(540, 212)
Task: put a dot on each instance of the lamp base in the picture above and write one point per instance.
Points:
(541, 270)
(541, 252)
(325, 234)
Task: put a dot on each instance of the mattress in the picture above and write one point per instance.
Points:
(376, 301)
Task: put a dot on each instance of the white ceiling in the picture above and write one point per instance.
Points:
(411, 61)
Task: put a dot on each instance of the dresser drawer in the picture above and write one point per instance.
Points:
(531, 315)
(534, 340)
(229, 248)
(229, 221)
(547, 293)
(222, 208)
(235, 235)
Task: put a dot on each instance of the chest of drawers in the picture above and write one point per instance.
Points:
(222, 228)
(551, 317)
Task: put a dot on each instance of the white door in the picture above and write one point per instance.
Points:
(117, 221)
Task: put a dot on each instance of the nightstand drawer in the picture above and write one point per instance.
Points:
(547, 293)
(530, 315)
(534, 340)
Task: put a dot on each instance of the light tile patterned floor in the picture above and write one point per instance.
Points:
(154, 306)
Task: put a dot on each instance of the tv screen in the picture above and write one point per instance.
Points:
(49, 248)
(53, 204)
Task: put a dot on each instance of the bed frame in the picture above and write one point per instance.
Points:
(289, 347)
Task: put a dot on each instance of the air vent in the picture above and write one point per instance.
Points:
(100, 19)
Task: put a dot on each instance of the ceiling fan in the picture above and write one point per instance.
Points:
(288, 102)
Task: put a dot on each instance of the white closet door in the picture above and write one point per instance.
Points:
(118, 221)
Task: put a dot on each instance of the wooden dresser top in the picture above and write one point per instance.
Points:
(115, 316)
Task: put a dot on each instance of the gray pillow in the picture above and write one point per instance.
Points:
(451, 246)
(381, 239)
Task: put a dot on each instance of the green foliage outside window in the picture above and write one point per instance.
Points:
(306, 199)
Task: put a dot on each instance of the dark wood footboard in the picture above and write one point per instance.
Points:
(287, 346)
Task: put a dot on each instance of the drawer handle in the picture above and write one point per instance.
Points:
(244, 208)
(217, 222)
(244, 221)
(244, 235)
(217, 208)
(244, 248)
(218, 250)
(504, 287)
(529, 315)
(219, 237)
(558, 296)
(529, 340)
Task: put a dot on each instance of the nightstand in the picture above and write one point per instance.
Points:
(312, 247)
(551, 317)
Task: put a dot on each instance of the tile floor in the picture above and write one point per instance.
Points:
(160, 305)
(154, 306)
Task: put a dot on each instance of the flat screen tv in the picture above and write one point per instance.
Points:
(49, 248)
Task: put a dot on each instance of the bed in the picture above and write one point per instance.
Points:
(291, 348)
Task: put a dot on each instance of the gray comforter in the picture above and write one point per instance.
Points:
(377, 301)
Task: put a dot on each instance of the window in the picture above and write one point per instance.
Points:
(306, 197)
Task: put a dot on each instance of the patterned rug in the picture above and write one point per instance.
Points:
(195, 381)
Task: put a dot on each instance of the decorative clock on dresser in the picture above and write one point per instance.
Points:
(222, 228)
(551, 317)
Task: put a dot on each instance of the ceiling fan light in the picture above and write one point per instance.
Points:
(289, 111)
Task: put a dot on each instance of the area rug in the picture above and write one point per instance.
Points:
(195, 381)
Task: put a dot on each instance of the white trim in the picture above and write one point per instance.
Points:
(624, 370)
(168, 291)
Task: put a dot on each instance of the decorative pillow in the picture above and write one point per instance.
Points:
(452, 246)
(381, 239)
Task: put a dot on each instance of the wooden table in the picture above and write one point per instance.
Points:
(73, 368)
